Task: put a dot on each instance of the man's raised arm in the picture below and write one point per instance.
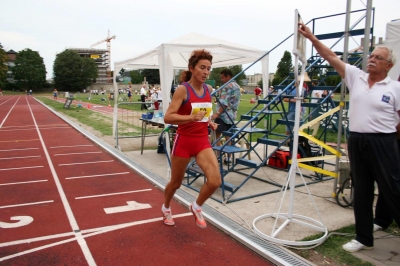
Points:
(323, 50)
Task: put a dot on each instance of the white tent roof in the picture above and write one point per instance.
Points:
(176, 53)
(393, 41)
(224, 53)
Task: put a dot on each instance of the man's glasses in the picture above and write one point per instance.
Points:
(378, 57)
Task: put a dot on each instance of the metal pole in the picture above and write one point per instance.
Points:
(115, 115)
(342, 92)
(367, 33)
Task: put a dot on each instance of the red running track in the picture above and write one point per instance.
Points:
(66, 201)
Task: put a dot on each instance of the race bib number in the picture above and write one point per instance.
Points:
(206, 107)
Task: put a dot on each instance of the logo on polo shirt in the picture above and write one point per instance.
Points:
(385, 99)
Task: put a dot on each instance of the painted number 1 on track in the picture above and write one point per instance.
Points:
(132, 206)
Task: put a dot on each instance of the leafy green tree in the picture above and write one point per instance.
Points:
(3, 67)
(277, 80)
(121, 74)
(152, 75)
(236, 69)
(215, 75)
(136, 77)
(29, 71)
(284, 67)
(72, 72)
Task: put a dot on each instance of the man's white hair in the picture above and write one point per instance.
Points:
(392, 56)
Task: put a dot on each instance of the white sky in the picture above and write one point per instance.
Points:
(50, 27)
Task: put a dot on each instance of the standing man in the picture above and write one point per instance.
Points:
(373, 150)
(143, 94)
(257, 92)
(230, 98)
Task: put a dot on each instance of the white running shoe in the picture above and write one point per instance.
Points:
(354, 246)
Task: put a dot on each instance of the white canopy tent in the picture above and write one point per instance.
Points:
(176, 53)
(393, 41)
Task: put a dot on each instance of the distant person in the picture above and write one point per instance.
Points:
(143, 94)
(154, 99)
(325, 93)
(1, 92)
(130, 93)
(316, 96)
(271, 89)
(191, 139)
(292, 106)
(30, 92)
(257, 92)
(159, 97)
(55, 92)
(227, 106)
(151, 90)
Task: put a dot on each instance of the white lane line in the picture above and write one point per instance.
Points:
(5, 118)
(105, 229)
(21, 149)
(35, 239)
(55, 127)
(33, 126)
(26, 204)
(26, 182)
(77, 153)
(85, 176)
(20, 129)
(112, 194)
(24, 129)
(8, 100)
(10, 158)
(19, 168)
(66, 164)
(71, 218)
(52, 125)
(73, 146)
(90, 232)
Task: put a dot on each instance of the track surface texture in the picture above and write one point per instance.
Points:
(66, 201)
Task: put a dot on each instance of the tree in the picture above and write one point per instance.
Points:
(72, 72)
(121, 73)
(29, 71)
(284, 67)
(136, 77)
(3, 67)
(215, 75)
(152, 75)
(216, 72)
(236, 69)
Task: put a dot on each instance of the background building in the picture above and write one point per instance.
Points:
(100, 57)
(253, 80)
(11, 56)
